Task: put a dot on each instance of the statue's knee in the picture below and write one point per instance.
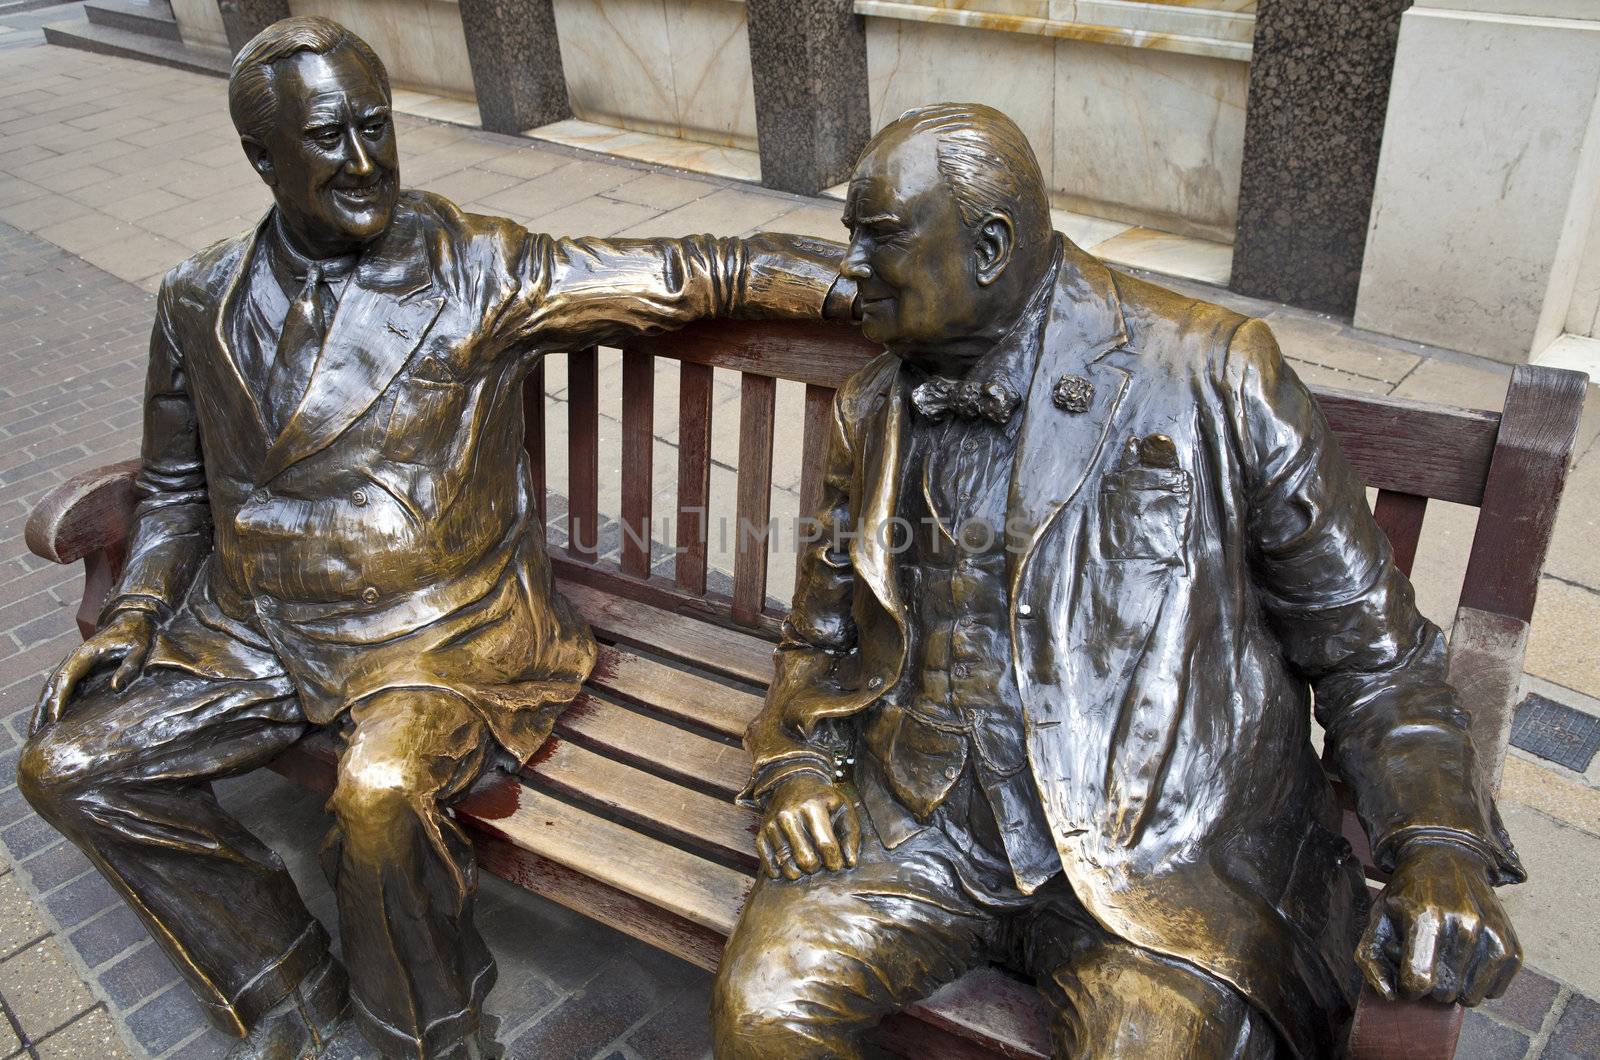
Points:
(757, 1004)
(51, 774)
(375, 800)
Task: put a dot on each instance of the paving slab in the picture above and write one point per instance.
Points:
(92, 1035)
(1554, 911)
(42, 989)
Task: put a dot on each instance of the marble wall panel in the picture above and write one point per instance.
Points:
(421, 42)
(1149, 137)
(1216, 19)
(911, 64)
(714, 95)
(1583, 315)
(1486, 182)
(679, 68)
(200, 23)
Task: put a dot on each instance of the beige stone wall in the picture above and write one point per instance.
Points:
(420, 41)
(676, 68)
(1136, 134)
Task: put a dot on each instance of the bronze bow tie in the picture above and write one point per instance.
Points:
(988, 399)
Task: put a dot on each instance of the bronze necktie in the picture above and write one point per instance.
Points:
(304, 328)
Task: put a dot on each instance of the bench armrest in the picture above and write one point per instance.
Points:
(88, 513)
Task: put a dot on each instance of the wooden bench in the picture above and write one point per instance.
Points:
(627, 814)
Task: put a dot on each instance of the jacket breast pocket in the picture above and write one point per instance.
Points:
(424, 421)
(1144, 515)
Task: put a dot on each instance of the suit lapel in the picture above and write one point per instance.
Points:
(870, 549)
(387, 308)
(222, 313)
(1058, 448)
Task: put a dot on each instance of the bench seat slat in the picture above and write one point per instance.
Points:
(713, 648)
(679, 814)
(675, 694)
(683, 883)
(655, 746)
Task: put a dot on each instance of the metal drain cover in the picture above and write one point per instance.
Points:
(1556, 732)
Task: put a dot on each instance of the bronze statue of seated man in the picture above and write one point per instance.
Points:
(1088, 551)
(335, 529)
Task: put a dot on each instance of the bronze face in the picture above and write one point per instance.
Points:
(330, 158)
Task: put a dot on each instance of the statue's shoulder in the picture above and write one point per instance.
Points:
(861, 392)
(201, 279)
(1180, 327)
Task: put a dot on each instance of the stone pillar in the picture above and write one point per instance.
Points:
(1319, 86)
(243, 19)
(516, 63)
(809, 59)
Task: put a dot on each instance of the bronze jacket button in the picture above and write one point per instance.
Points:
(359, 498)
(369, 595)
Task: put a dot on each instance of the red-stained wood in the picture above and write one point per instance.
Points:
(757, 404)
(583, 462)
(83, 514)
(816, 353)
(713, 648)
(1400, 515)
(638, 452)
(814, 442)
(639, 739)
(676, 694)
(1525, 482)
(1411, 447)
(1411, 1030)
(694, 476)
(533, 436)
(713, 607)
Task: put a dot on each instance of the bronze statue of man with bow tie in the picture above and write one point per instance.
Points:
(335, 529)
(1087, 547)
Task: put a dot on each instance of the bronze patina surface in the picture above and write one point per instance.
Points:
(1089, 550)
(335, 529)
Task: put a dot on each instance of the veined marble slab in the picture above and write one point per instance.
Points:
(421, 42)
(671, 69)
(452, 109)
(1145, 248)
(1125, 36)
(731, 162)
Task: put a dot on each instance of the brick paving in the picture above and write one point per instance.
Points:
(111, 171)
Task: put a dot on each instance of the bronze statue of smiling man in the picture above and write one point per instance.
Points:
(1064, 721)
(335, 529)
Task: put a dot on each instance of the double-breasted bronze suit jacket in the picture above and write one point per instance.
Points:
(386, 537)
(1173, 608)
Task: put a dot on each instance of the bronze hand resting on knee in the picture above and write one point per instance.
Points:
(1087, 551)
(335, 530)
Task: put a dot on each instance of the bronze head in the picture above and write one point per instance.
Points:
(949, 232)
(311, 103)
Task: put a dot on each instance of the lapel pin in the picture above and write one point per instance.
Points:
(1073, 393)
(398, 330)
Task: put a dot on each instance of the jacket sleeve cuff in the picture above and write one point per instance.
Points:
(769, 774)
(1499, 857)
(156, 608)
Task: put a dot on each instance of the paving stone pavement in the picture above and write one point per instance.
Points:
(111, 171)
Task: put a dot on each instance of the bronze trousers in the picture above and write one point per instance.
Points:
(126, 778)
(815, 963)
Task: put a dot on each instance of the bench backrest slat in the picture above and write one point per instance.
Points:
(638, 449)
(814, 443)
(694, 476)
(1399, 516)
(583, 454)
(758, 396)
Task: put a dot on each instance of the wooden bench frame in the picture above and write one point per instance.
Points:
(627, 816)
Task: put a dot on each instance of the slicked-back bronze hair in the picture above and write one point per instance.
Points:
(252, 95)
(984, 158)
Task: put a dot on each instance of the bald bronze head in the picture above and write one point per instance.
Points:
(949, 232)
(311, 103)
